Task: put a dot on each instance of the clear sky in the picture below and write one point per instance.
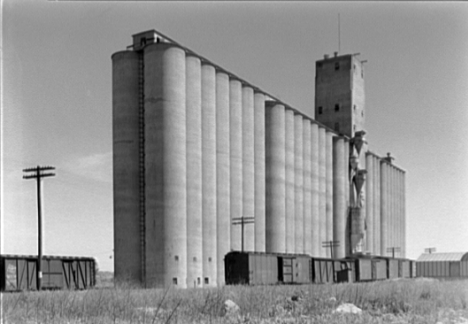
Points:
(57, 100)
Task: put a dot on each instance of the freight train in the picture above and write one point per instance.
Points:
(19, 272)
(254, 268)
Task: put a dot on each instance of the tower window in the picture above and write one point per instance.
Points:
(176, 258)
(337, 107)
(337, 66)
(174, 281)
(207, 280)
(337, 127)
(209, 259)
(320, 110)
(319, 65)
(195, 259)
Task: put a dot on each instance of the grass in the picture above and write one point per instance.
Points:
(401, 301)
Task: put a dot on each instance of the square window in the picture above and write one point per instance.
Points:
(319, 65)
(174, 281)
(337, 107)
(320, 110)
(198, 280)
(207, 280)
(337, 66)
(209, 259)
(195, 259)
(176, 258)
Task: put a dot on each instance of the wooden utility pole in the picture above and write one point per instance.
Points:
(242, 221)
(331, 245)
(393, 250)
(38, 174)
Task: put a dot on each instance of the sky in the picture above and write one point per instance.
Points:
(57, 104)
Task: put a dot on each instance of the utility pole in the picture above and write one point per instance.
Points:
(331, 245)
(393, 250)
(242, 221)
(38, 174)
(429, 250)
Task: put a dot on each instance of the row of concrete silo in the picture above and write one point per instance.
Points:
(385, 204)
(196, 148)
(306, 179)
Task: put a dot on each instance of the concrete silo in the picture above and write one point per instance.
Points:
(259, 158)
(298, 186)
(223, 199)
(194, 172)
(275, 156)
(165, 165)
(307, 193)
(290, 175)
(208, 75)
(129, 212)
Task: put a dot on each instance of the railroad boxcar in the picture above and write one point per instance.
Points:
(332, 270)
(256, 268)
(19, 272)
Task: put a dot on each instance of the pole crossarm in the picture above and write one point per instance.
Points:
(331, 245)
(393, 249)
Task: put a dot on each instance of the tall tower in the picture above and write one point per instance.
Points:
(339, 93)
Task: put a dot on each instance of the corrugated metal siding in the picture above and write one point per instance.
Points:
(365, 269)
(393, 268)
(435, 257)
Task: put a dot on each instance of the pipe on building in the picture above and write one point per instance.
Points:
(248, 167)
(370, 203)
(377, 202)
(275, 155)
(307, 194)
(329, 186)
(290, 189)
(223, 206)
(315, 190)
(208, 97)
(346, 186)
(322, 217)
(235, 130)
(129, 254)
(383, 207)
(298, 185)
(194, 172)
(165, 149)
(339, 197)
(259, 157)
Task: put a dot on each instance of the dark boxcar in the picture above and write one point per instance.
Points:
(20, 272)
(248, 268)
(323, 270)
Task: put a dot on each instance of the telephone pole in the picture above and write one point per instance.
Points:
(38, 173)
(242, 221)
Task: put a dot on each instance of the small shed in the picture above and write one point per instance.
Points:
(442, 265)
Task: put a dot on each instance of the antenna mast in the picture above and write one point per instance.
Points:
(339, 34)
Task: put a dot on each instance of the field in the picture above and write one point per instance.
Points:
(393, 301)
